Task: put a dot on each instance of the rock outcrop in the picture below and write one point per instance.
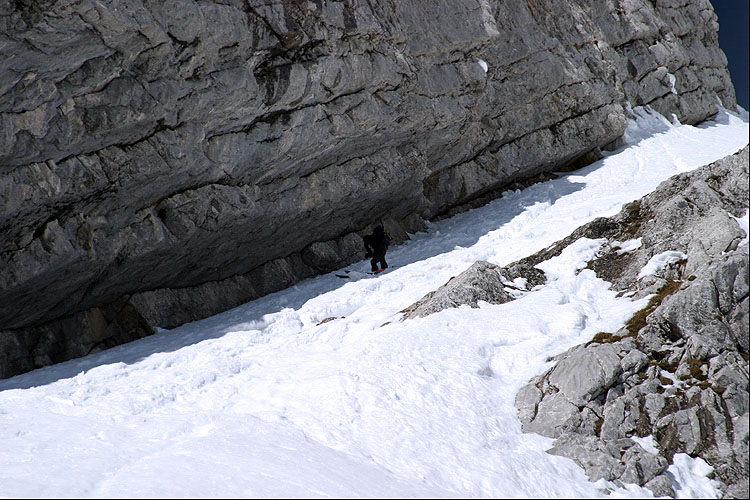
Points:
(483, 281)
(674, 379)
(677, 373)
(185, 156)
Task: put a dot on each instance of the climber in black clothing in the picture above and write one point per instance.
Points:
(376, 245)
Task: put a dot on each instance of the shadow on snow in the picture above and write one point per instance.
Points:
(461, 230)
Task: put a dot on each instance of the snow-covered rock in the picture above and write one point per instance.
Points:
(678, 370)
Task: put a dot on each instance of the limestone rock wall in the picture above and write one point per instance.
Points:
(189, 155)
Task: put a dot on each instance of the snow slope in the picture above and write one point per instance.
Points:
(270, 400)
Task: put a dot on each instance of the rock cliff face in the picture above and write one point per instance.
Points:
(677, 373)
(161, 161)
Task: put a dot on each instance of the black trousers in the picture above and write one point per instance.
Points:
(378, 258)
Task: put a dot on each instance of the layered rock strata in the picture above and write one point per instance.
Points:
(677, 373)
(185, 156)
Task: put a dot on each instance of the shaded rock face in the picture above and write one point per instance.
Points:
(187, 156)
(77, 335)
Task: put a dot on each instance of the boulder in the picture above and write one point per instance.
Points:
(480, 282)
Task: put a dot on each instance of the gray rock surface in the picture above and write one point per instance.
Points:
(482, 282)
(678, 370)
(189, 155)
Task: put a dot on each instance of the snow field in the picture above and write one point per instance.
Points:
(267, 400)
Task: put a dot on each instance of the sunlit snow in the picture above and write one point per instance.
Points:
(628, 246)
(744, 223)
(270, 400)
(660, 261)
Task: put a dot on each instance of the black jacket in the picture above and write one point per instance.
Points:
(376, 244)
